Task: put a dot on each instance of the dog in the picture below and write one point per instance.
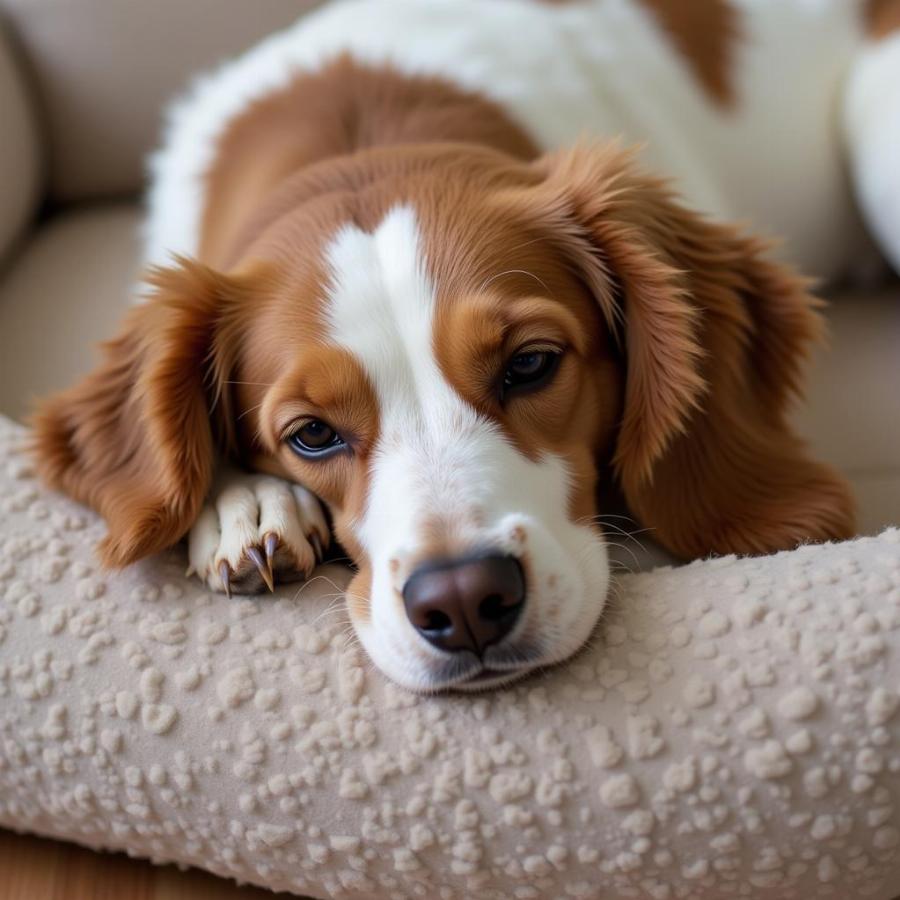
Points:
(410, 287)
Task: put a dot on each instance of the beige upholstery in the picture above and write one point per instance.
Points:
(66, 291)
(704, 746)
(100, 72)
(102, 69)
(852, 414)
(20, 148)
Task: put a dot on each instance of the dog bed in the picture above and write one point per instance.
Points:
(732, 731)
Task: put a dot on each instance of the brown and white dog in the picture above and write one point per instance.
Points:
(388, 276)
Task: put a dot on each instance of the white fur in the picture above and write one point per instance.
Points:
(438, 461)
(602, 68)
(872, 128)
(241, 511)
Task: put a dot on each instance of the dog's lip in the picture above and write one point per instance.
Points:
(488, 674)
(487, 677)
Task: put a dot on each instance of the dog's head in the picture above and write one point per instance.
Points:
(462, 355)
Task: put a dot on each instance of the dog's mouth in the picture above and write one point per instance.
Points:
(485, 678)
(489, 678)
(499, 667)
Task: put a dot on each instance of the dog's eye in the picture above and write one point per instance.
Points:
(315, 439)
(529, 370)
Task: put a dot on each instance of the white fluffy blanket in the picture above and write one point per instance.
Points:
(733, 731)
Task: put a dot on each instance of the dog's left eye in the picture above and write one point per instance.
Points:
(530, 370)
(315, 439)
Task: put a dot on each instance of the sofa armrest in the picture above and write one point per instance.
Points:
(20, 153)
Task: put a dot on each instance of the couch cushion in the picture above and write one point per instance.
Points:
(67, 291)
(20, 152)
(73, 282)
(852, 413)
(254, 738)
(103, 70)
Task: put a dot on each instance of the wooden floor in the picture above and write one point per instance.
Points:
(36, 869)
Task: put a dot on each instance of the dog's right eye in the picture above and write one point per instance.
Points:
(315, 439)
(529, 370)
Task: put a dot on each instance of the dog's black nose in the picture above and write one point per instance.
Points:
(465, 604)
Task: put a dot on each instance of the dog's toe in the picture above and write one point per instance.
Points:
(256, 531)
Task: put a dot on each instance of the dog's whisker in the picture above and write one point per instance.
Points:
(630, 537)
(310, 581)
(340, 559)
(626, 549)
(499, 275)
(334, 604)
(307, 583)
(247, 412)
(603, 519)
(585, 551)
(616, 529)
(624, 531)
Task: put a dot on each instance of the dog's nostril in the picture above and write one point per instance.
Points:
(435, 620)
(465, 604)
(495, 607)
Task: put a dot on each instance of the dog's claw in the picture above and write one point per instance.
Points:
(225, 575)
(264, 566)
(270, 544)
(254, 532)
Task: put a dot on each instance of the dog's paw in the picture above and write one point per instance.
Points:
(254, 531)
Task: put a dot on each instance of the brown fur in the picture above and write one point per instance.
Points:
(342, 109)
(882, 17)
(706, 33)
(683, 341)
(715, 335)
(135, 438)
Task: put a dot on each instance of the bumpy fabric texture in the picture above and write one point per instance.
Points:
(732, 731)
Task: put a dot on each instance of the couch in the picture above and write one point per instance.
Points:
(82, 84)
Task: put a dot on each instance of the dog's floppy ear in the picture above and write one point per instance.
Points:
(134, 439)
(714, 334)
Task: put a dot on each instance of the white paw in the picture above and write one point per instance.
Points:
(255, 530)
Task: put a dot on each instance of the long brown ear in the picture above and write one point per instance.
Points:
(715, 335)
(134, 439)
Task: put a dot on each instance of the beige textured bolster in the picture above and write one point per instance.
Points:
(733, 731)
(20, 162)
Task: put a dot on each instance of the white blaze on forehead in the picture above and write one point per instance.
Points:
(382, 306)
(436, 456)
